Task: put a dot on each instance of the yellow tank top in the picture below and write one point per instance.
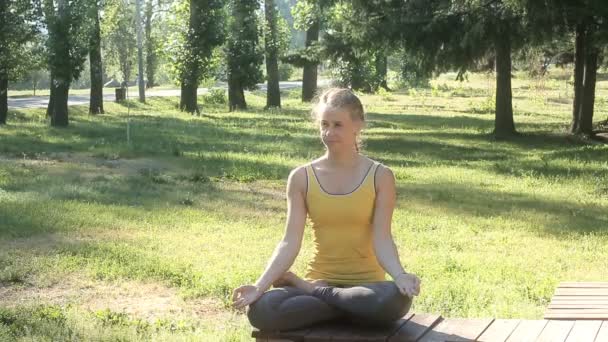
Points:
(342, 225)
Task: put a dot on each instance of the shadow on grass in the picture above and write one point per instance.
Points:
(155, 135)
(560, 218)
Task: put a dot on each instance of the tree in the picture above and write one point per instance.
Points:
(194, 53)
(18, 28)
(244, 56)
(68, 28)
(457, 34)
(119, 38)
(96, 95)
(591, 27)
(587, 21)
(273, 93)
(151, 45)
(358, 55)
(307, 16)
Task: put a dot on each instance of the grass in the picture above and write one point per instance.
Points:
(192, 207)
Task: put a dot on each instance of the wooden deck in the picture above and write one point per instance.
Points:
(578, 313)
(579, 301)
(427, 328)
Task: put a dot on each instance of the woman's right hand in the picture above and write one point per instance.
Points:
(245, 295)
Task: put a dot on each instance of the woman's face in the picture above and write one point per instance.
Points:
(338, 130)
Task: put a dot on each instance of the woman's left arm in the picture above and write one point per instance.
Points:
(384, 246)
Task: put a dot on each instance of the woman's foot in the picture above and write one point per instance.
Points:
(291, 279)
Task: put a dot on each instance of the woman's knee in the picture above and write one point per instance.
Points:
(392, 304)
(263, 312)
(396, 303)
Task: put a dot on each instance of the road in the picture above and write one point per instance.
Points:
(108, 95)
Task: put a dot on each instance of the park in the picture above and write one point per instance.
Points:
(135, 219)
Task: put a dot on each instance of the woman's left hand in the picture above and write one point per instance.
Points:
(408, 284)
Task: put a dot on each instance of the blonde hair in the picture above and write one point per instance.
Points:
(340, 98)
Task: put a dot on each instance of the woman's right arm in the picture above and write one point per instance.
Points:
(288, 248)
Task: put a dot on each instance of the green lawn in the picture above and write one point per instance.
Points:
(107, 240)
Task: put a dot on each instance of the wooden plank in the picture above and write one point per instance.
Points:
(350, 332)
(499, 331)
(583, 316)
(415, 328)
(256, 333)
(583, 284)
(555, 331)
(579, 298)
(577, 306)
(602, 335)
(581, 292)
(322, 333)
(383, 334)
(527, 331)
(294, 335)
(457, 329)
(581, 311)
(584, 331)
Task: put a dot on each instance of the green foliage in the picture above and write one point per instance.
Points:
(414, 70)
(69, 26)
(243, 50)
(19, 40)
(285, 71)
(119, 39)
(302, 56)
(352, 58)
(215, 96)
(194, 33)
(305, 13)
(280, 39)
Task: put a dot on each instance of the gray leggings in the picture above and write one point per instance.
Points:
(285, 308)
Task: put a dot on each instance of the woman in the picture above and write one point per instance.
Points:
(350, 200)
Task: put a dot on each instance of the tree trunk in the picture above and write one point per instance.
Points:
(96, 97)
(503, 123)
(49, 107)
(579, 72)
(189, 75)
(188, 101)
(273, 92)
(140, 55)
(382, 68)
(3, 97)
(150, 47)
(309, 77)
(357, 81)
(59, 115)
(585, 117)
(236, 95)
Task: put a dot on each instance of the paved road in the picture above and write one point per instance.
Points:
(108, 95)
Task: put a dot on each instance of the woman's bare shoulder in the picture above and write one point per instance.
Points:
(298, 179)
(383, 176)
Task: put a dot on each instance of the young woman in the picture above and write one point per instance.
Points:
(350, 200)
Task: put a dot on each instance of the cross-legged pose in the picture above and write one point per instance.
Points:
(350, 200)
